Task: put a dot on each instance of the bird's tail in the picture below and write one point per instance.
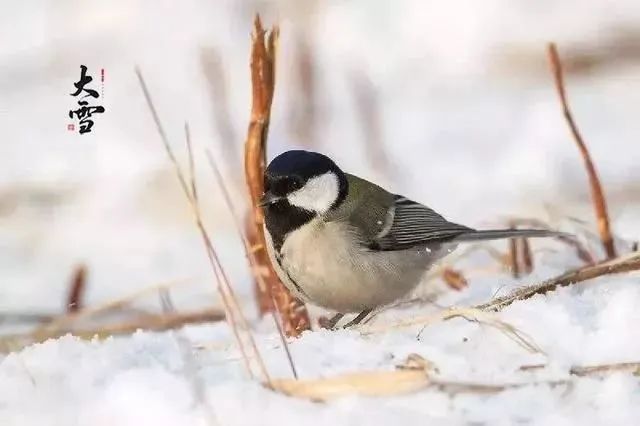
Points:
(497, 234)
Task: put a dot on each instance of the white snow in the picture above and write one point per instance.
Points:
(471, 125)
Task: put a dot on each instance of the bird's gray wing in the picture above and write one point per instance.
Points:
(415, 225)
(384, 221)
(412, 224)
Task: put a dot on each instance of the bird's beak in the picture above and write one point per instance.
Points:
(269, 198)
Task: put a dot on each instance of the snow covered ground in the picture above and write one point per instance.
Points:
(470, 123)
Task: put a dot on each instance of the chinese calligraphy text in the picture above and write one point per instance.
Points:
(85, 112)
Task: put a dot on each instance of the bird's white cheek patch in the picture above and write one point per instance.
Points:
(318, 194)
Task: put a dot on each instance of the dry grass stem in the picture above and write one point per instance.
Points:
(592, 370)
(251, 255)
(77, 289)
(597, 194)
(63, 322)
(525, 255)
(632, 367)
(469, 314)
(513, 258)
(232, 311)
(615, 266)
(295, 318)
(148, 322)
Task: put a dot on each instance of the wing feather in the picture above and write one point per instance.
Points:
(414, 224)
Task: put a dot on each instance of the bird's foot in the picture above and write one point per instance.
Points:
(358, 319)
(330, 324)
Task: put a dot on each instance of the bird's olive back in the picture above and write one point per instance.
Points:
(366, 207)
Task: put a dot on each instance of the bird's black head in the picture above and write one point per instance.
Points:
(299, 185)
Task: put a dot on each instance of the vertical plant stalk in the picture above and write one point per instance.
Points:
(514, 259)
(527, 258)
(77, 289)
(233, 313)
(597, 195)
(295, 318)
(250, 256)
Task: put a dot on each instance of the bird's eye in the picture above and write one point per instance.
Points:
(295, 183)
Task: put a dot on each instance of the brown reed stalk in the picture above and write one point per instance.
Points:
(77, 289)
(632, 367)
(150, 322)
(614, 266)
(295, 318)
(232, 312)
(513, 258)
(597, 194)
(525, 255)
(64, 321)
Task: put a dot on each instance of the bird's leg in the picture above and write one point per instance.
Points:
(357, 320)
(331, 323)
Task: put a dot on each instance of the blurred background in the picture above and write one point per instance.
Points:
(450, 103)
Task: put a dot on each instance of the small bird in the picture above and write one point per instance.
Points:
(343, 243)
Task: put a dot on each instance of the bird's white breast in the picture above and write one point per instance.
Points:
(323, 263)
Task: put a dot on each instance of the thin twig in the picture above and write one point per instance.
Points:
(633, 367)
(64, 321)
(469, 314)
(250, 256)
(513, 257)
(592, 370)
(222, 284)
(192, 165)
(597, 194)
(146, 322)
(214, 256)
(615, 266)
(77, 289)
(525, 251)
